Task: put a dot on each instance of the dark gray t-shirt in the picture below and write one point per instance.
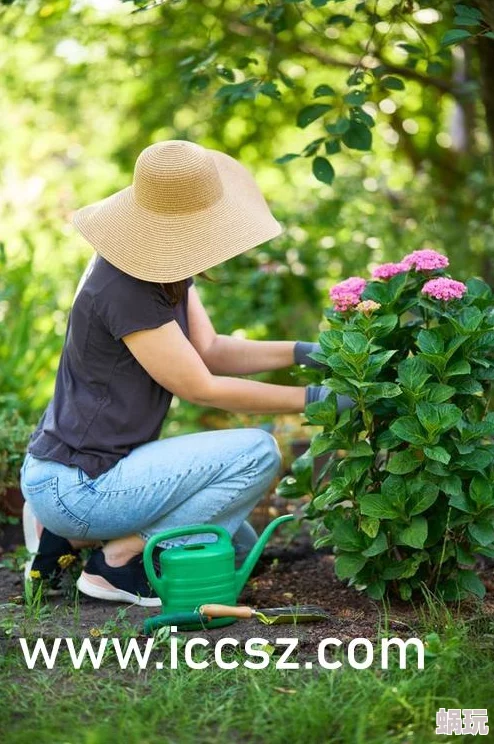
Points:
(105, 403)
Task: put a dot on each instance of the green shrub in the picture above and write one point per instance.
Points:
(14, 436)
(407, 495)
(29, 342)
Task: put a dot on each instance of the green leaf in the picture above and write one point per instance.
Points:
(478, 288)
(355, 342)
(323, 170)
(412, 373)
(377, 546)
(436, 468)
(358, 136)
(451, 485)
(286, 158)
(454, 37)
(481, 491)
(382, 325)
(468, 12)
(226, 73)
(460, 367)
(347, 537)
(355, 98)
(290, 488)
(339, 127)
(437, 361)
(464, 557)
(438, 393)
(408, 429)
(361, 116)
(303, 465)
(403, 462)
(393, 490)
(405, 591)
(313, 147)
(430, 342)
(320, 444)
(377, 291)
(338, 19)
(405, 569)
(392, 83)
(437, 453)
(422, 499)
(471, 582)
(481, 532)
(373, 505)
(478, 460)
(415, 534)
(378, 390)
(370, 526)
(323, 90)
(348, 565)
(336, 491)
(332, 147)
(322, 413)
(469, 319)
(310, 113)
(461, 502)
(361, 449)
(437, 419)
(376, 589)
(377, 361)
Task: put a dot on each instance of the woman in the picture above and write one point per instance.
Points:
(137, 335)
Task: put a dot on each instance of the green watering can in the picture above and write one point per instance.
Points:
(199, 573)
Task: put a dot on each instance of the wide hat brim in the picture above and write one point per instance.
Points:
(169, 247)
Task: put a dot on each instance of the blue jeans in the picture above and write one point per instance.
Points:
(213, 477)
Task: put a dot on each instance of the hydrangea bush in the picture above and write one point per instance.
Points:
(406, 495)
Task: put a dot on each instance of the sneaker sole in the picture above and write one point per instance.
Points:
(114, 595)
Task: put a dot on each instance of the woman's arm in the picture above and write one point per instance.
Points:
(171, 360)
(227, 355)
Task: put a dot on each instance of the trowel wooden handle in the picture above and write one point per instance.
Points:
(219, 610)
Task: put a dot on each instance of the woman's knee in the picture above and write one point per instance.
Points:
(266, 452)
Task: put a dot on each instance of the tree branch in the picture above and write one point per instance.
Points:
(351, 62)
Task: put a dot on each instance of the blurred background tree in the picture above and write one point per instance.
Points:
(368, 125)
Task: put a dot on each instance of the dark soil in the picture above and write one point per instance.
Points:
(287, 574)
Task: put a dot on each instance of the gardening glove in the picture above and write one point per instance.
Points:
(316, 393)
(301, 353)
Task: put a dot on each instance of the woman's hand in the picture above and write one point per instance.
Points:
(301, 353)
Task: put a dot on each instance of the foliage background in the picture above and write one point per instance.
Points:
(87, 84)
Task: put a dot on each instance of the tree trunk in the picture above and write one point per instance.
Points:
(486, 57)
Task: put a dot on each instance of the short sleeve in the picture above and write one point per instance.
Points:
(127, 305)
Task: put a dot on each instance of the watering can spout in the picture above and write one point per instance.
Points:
(245, 571)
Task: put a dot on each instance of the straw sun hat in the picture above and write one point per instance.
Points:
(187, 210)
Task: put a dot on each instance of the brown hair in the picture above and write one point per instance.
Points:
(175, 291)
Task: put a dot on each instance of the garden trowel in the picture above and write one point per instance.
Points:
(269, 616)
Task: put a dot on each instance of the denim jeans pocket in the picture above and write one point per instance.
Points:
(51, 509)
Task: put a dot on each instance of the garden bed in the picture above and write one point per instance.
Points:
(293, 574)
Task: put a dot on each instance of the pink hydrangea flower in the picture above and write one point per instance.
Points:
(425, 260)
(444, 289)
(387, 270)
(347, 294)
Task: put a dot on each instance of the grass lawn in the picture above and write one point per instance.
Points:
(87, 706)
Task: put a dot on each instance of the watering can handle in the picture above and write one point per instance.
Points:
(196, 529)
